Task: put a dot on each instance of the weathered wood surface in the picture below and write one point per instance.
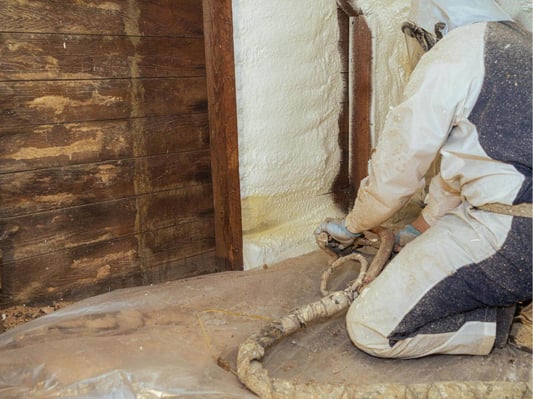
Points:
(84, 271)
(33, 56)
(342, 189)
(182, 18)
(362, 91)
(42, 190)
(355, 47)
(45, 102)
(105, 166)
(220, 68)
(59, 145)
(160, 229)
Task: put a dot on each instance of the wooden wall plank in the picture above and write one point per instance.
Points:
(105, 141)
(204, 262)
(220, 67)
(73, 272)
(45, 102)
(43, 190)
(51, 56)
(169, 208)
(38, 191)
(92, 269)
(172, 244)
(41, 233)
(168, 172)
(174, 96)
(48, 146)
(181, 18)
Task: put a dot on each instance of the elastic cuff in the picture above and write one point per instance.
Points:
(354, 235)
(411, 230)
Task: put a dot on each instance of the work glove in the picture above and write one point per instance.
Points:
(337, 230)
(405, 236)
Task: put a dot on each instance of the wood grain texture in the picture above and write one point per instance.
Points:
(45, 102)
(342, 189)
(46, 189)
(73, 272)
(220, 69)
(95, 268)
(362, 94)
(51, 56)
(182, 18)
(355, 47)
(59, 145)
(105, 166)
(47, 232)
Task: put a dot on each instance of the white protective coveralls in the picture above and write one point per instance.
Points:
(468, 101)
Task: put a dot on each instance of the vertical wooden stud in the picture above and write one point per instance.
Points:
(354, 121)
(361, 39)
(220, 68)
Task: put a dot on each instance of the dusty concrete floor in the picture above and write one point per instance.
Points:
(166, 341)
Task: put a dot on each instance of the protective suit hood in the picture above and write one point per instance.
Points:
(454, 13)
(430, 20)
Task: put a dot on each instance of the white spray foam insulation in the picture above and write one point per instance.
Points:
(288, 102)
(289, 90)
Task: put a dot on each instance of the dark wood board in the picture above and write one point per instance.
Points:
(52, 56)
(105, 155)
(46, 232)
(95, 268)
(362, 105)
(181, 18)
(45, 102)
(220, 67)
(46, 189)
(60, 145)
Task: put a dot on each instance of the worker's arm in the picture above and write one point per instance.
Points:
(413, 134)
(441, 199)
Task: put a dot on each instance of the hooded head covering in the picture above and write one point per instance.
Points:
(430, 20)
(454, 13)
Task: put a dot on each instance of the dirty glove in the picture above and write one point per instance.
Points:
(405, 236)
(336, 229)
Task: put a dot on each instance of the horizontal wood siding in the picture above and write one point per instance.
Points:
(105, 176)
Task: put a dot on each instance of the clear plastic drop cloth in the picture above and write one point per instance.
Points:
(180, 340)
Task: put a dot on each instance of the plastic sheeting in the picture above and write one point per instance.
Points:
(180, 339)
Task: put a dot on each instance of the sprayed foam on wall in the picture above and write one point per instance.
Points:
(288, 102)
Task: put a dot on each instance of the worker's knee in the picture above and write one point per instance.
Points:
(365, 332)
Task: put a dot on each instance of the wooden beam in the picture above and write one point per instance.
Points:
(220, 68)
(355, 47)
(342, 189)
(362, 99)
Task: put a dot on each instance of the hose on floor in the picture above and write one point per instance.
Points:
(255, 377)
